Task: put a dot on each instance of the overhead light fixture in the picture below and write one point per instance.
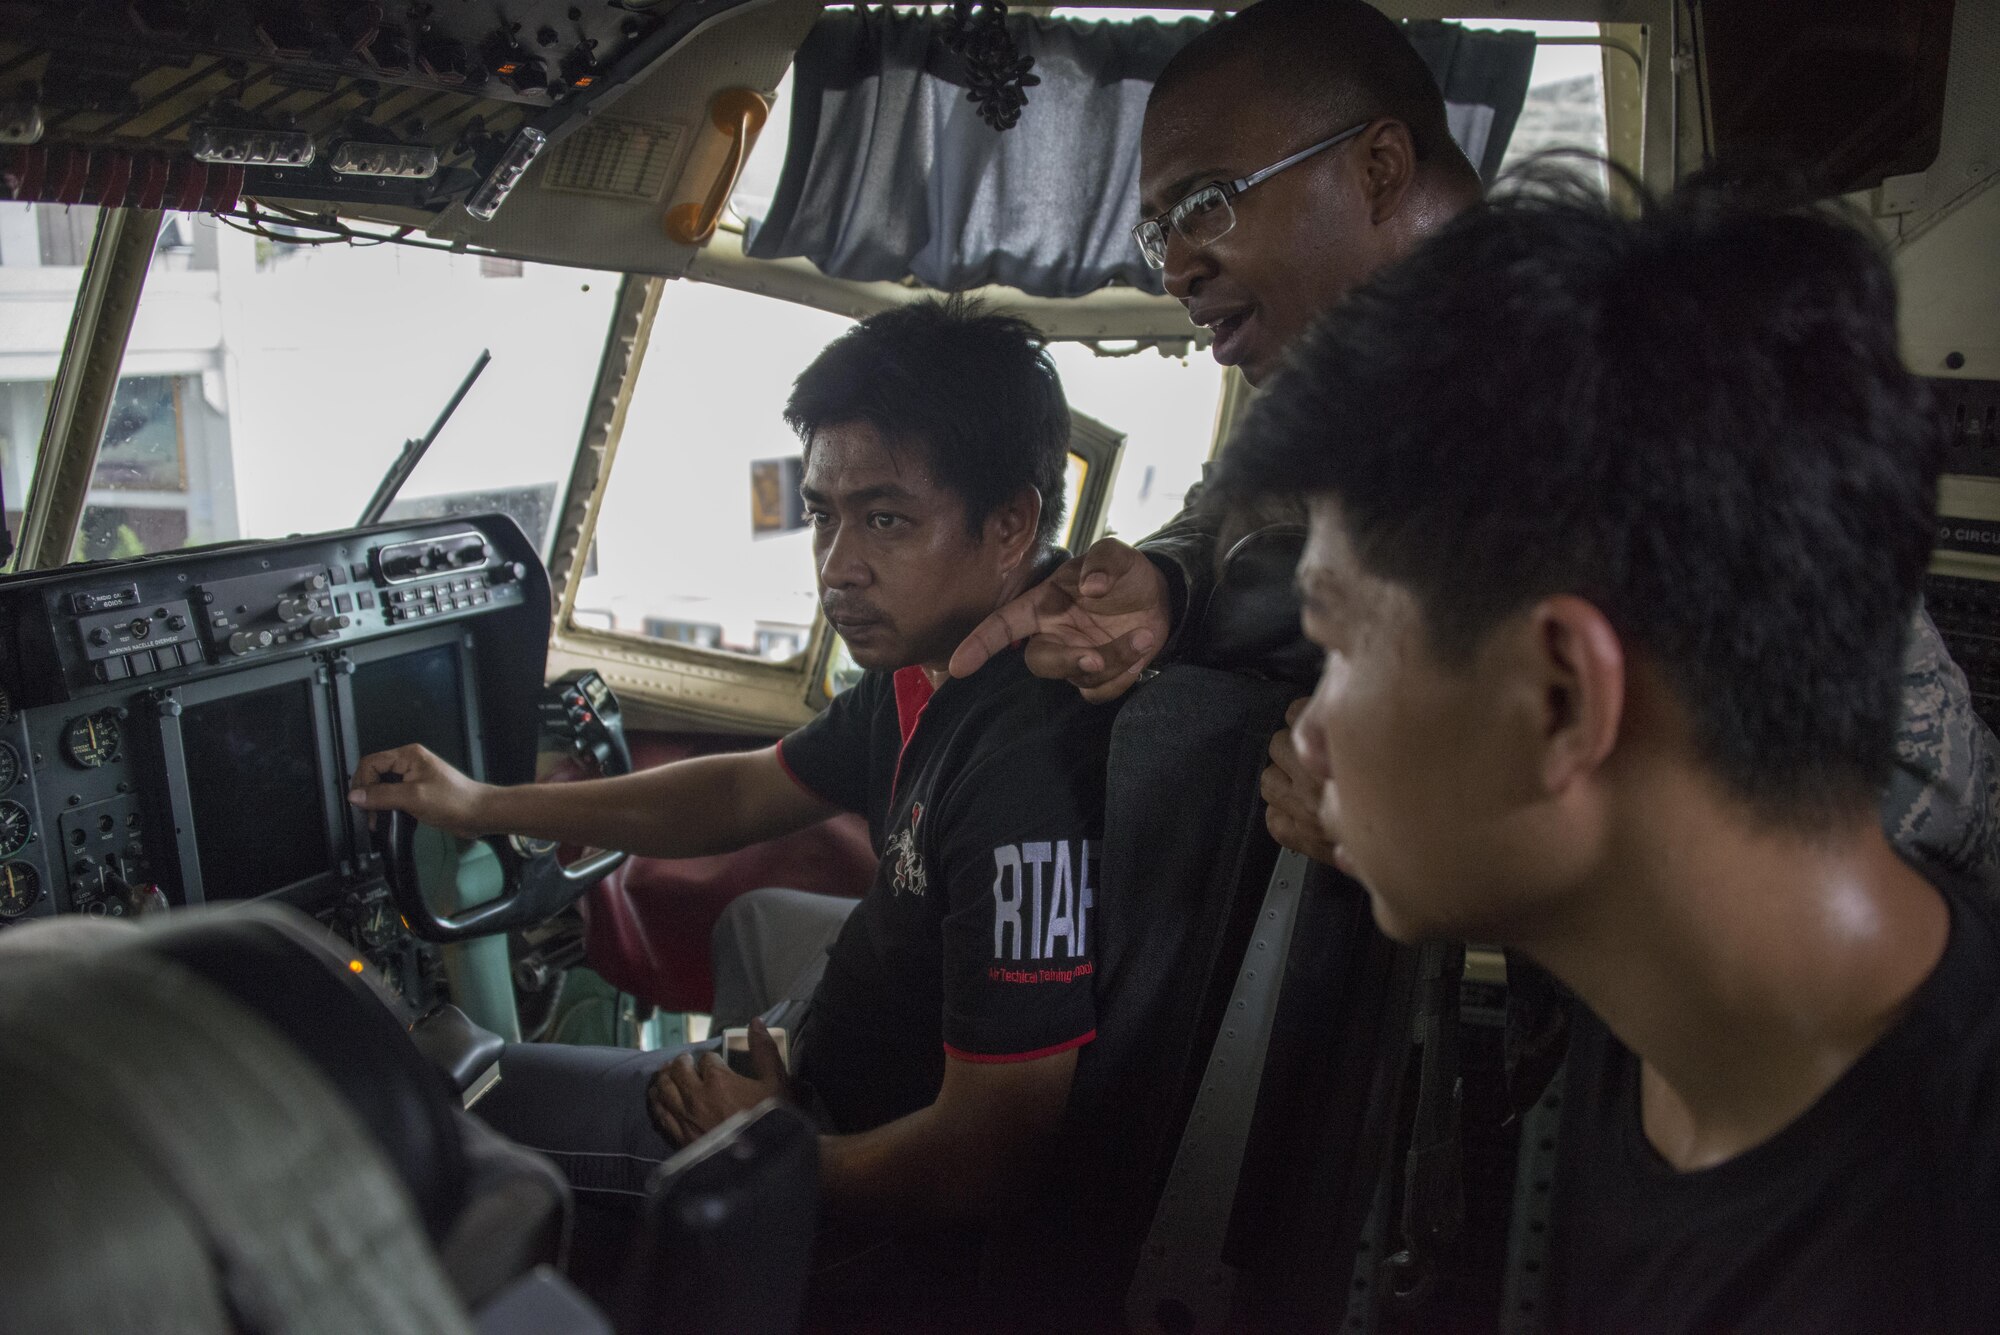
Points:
(411, 162)
(234, 146)
(506, 174)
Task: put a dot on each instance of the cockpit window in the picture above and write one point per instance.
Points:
(1565, 106)
(701, 540)
(42, 252)
(1165, 405)
(267, 386)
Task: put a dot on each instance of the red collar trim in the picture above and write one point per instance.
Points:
(913, 692)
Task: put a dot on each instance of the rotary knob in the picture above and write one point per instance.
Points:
(322, 626)
(245, 641)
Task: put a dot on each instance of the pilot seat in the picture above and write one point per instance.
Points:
(216, 1122)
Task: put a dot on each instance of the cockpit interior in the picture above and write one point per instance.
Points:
(249, 247)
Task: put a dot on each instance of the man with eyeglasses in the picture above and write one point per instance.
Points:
(1288, 153)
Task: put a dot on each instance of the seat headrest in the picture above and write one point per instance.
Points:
(155, 1123)
(289, 970)
(1251, 622)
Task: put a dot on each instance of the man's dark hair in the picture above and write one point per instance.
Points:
(1698, 420)
(1341, 61)
(975, 391)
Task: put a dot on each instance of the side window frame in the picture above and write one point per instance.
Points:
(114, 278)
(661, 684)
(1101, 448)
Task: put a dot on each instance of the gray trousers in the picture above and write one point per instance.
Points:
(585, 1107)
(770, 946)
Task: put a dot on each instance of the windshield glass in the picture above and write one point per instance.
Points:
(42, 253)
(267, 386)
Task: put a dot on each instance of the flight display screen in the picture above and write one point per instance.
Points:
(414, 697)
(254, 783)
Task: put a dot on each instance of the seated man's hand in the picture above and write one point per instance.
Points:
(412, 779)
(1095, 623)
(1292, 796)
(689, 1097)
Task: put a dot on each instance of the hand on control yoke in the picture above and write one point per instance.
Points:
(1095, 623)
(412, 779)
(1292, 796)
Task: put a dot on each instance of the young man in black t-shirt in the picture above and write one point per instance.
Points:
(938, 1049)
(1616, 530)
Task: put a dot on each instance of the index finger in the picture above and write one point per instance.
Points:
(1017, 620)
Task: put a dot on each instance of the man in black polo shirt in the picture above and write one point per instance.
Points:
(937, 1051)
(1616, 531)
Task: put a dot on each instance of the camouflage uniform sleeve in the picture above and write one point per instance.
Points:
(1942, 807)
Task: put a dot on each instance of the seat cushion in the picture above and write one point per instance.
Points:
(648, 924)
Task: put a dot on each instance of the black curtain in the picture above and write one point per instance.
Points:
(891, 173)
(1484, 76)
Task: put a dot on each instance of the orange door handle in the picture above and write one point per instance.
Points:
(738, 113)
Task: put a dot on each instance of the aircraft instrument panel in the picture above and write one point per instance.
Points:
(179, 729)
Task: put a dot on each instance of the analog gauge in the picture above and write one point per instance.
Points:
(378, 924)
(20, 887)
(15, 828)
(92, 740)
(10, 767)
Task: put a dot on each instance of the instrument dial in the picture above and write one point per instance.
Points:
(10, 767)
(20, 887)
(378, 924)
(16, 827)
(93, 740)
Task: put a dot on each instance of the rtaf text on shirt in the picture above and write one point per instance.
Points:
(1042, 894)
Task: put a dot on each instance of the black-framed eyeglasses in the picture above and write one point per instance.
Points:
(1206, 214)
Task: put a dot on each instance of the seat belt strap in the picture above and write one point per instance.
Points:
(1433, 1187)
(1524, 1298)
(1181, 1283)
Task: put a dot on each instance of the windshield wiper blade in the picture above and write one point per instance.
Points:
(413, 451)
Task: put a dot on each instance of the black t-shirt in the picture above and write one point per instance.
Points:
(1878, 1209)
(985, 803)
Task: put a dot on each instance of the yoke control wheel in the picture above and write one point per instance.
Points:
(535, 885)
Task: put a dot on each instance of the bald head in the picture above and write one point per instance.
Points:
(1338, 62)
